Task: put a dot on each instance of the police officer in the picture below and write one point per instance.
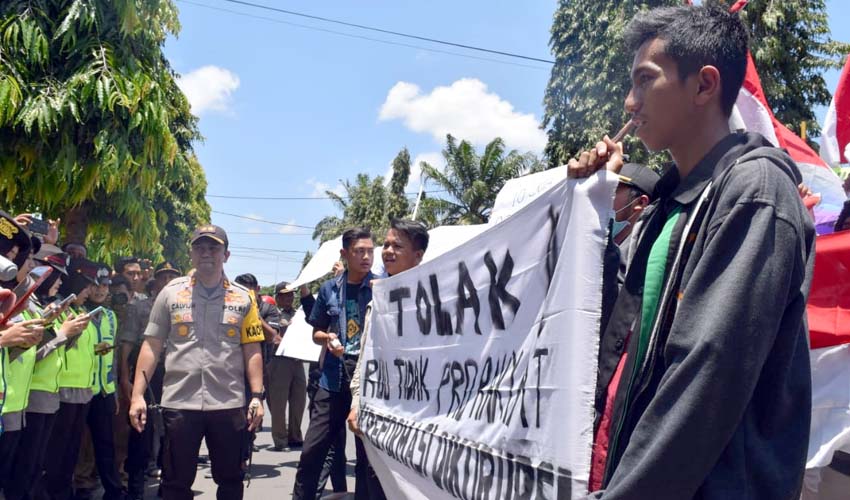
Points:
(75, 387)
(98, 446)
(18, 357)
(210, 330)
(43, 403)
(141, 447)
(287, 380)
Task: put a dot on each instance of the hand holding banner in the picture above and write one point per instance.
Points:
(479, 366)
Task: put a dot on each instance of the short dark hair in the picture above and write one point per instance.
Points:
(354, 234)
(123, 262)
(415, 231)
(697, 36)
(119, 280)
(247, 280)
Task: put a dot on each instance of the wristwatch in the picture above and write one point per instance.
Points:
(259, 395)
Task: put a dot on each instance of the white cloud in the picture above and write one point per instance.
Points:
(255, 216)
(288, 229)
(320, 188)
(209, 88)
(465, 109)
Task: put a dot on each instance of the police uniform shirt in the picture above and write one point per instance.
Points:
(136, 316)
(203, 331)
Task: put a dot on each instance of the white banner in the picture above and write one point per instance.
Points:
(479, 369)
(298, 340)
(519, 192)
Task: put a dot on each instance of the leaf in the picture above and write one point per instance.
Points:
(71, 16)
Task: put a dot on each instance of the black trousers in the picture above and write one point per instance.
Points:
(334, 467)
(224, 431)
(139, 452)
(141, 446)
(64, 446)
(328, 413)
(9, 441)
(368, 486)
(29, 459)
(99, 418)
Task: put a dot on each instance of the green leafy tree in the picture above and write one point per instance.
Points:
(92, 124)
(589, 81)
(471, 181)
(398, 205)
(368, 202)
(792, 47)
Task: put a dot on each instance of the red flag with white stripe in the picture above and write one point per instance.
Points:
(835, 133)
(752, 113)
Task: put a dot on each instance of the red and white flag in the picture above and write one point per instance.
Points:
(752, 113)
(835, 133)
(827, 307)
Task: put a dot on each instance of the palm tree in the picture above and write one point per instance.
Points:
(368, 202)
(472, 181)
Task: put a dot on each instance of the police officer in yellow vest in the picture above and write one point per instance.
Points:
(18, 358)
(212, 335)
(43, 397)
(75, 386)
(98, 446)
(15, 244)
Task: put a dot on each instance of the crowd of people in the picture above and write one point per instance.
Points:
(704, 389)
(114, 376)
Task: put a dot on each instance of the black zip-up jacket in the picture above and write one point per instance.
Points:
(721, 403)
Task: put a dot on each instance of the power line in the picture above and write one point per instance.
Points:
(301, 198)
(361, 37)
(267, 259)
(259, 233)
(262, 220)
(390, 32)
(269, 250)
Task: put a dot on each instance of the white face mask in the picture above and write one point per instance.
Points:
(618, 226)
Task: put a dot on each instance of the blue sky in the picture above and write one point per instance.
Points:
(288, 111)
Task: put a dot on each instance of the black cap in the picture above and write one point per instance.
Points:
(13, 234)
(640, 177)
(247, 280)
(282, 287)
(210, 231)
(166, 267)
(82, 270)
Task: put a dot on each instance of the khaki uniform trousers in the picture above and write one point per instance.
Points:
(287, 387)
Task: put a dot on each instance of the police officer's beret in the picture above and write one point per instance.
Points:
(166, 267)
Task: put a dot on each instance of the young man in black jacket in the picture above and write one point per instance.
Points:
(711, 396)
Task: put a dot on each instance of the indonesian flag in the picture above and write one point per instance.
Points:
(753, 114)
(835, 133)
(829, 300)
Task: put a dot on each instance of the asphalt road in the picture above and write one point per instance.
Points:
(272, 472)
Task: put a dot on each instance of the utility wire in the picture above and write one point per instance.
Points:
(268, 250)
(262, 220)
(301, 198)
(250, 233)
(361, 37)
(390, 32)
